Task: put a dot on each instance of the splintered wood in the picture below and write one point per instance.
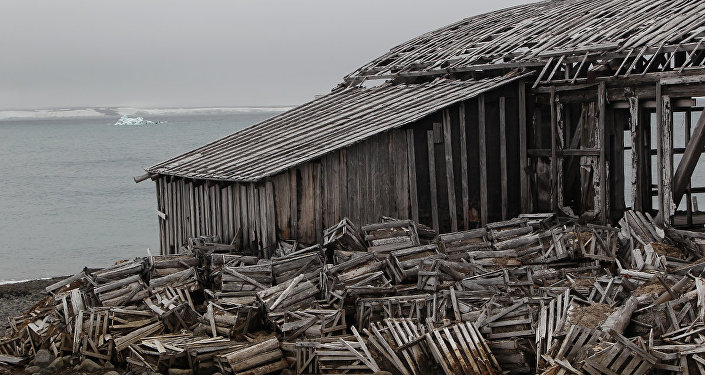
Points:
(528, 295)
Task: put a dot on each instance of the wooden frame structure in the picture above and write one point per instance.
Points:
(522, 110)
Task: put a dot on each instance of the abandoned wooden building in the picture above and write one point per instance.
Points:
(566, 106)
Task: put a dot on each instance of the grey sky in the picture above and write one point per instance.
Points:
(72, 53)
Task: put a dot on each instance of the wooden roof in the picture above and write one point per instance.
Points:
(528, 35)
(328, 123)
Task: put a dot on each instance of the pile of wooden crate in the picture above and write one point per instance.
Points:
(534, 294)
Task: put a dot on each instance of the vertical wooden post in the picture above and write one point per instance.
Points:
(635, 116)
(432, 177)
(464, 167)
(503, 155)
(659, 151)
(294, 197)
(688, 194)
(523, 177)
(483, 158)
(450, 178)
(560, 145)
(554, 152)
(667, 154)
(602, 124)
(411, 154)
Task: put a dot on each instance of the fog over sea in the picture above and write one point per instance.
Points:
(67, 198)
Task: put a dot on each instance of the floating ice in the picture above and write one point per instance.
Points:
(133, 121)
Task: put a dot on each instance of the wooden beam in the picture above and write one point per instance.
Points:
(523, 176)
(635, 115)
(503, 155)
(450, 178)
(602, 125)
(667, 154)
(432, 178)
(413, 195)
(464, 167)
(659, 150)
(554, 152)
(483, 158)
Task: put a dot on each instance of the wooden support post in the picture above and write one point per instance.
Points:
(450, 179)
(667, 153)
(689, 196)
(659, 151)
(464, 167)
(503, 155)
(637, 178)
(413, 195)
(293, 196)
(432, 177)
(560, 145)
(554, 152)
(602, 124)
(523, 176)
(483, 158)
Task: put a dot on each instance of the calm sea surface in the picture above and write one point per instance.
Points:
(67, 198)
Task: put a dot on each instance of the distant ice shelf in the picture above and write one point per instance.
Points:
(134, 121)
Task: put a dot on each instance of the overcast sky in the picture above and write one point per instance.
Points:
(175, 53)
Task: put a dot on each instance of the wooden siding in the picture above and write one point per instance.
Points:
(386, 175)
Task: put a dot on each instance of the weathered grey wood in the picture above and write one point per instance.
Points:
(464, 166)
(523, 175)
(667, 154)
(554, 152)
(503, 156)
(450, 178)
(483, 158)
(635, 127)
(432, 177)
(602, 125)
(413, 195)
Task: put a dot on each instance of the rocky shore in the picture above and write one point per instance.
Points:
(16, 299)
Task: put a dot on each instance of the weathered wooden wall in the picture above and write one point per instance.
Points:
(469, 178)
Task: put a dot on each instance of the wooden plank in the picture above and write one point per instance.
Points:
(413, 195)
(523, 175)
(271, 215)
(667, 154)
(464, 166)
(450, 178)
(432, 177)
(483, 158)
(602, 125)
(503, 155)
(344, 205)
(635, 116)
(294, 203)
(659, 150)
(317, 207)
(554, 152)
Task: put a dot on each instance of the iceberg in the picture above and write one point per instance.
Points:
(133, 121)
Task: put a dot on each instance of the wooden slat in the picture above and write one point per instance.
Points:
(503, 156)
(450, 178)
(413, 195)
(432, 177)
(464, 166)
(483, 158)
(523, 175)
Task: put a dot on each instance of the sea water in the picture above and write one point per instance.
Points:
(67, 197)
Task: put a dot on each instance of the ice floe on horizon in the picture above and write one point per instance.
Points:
(107, 112)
